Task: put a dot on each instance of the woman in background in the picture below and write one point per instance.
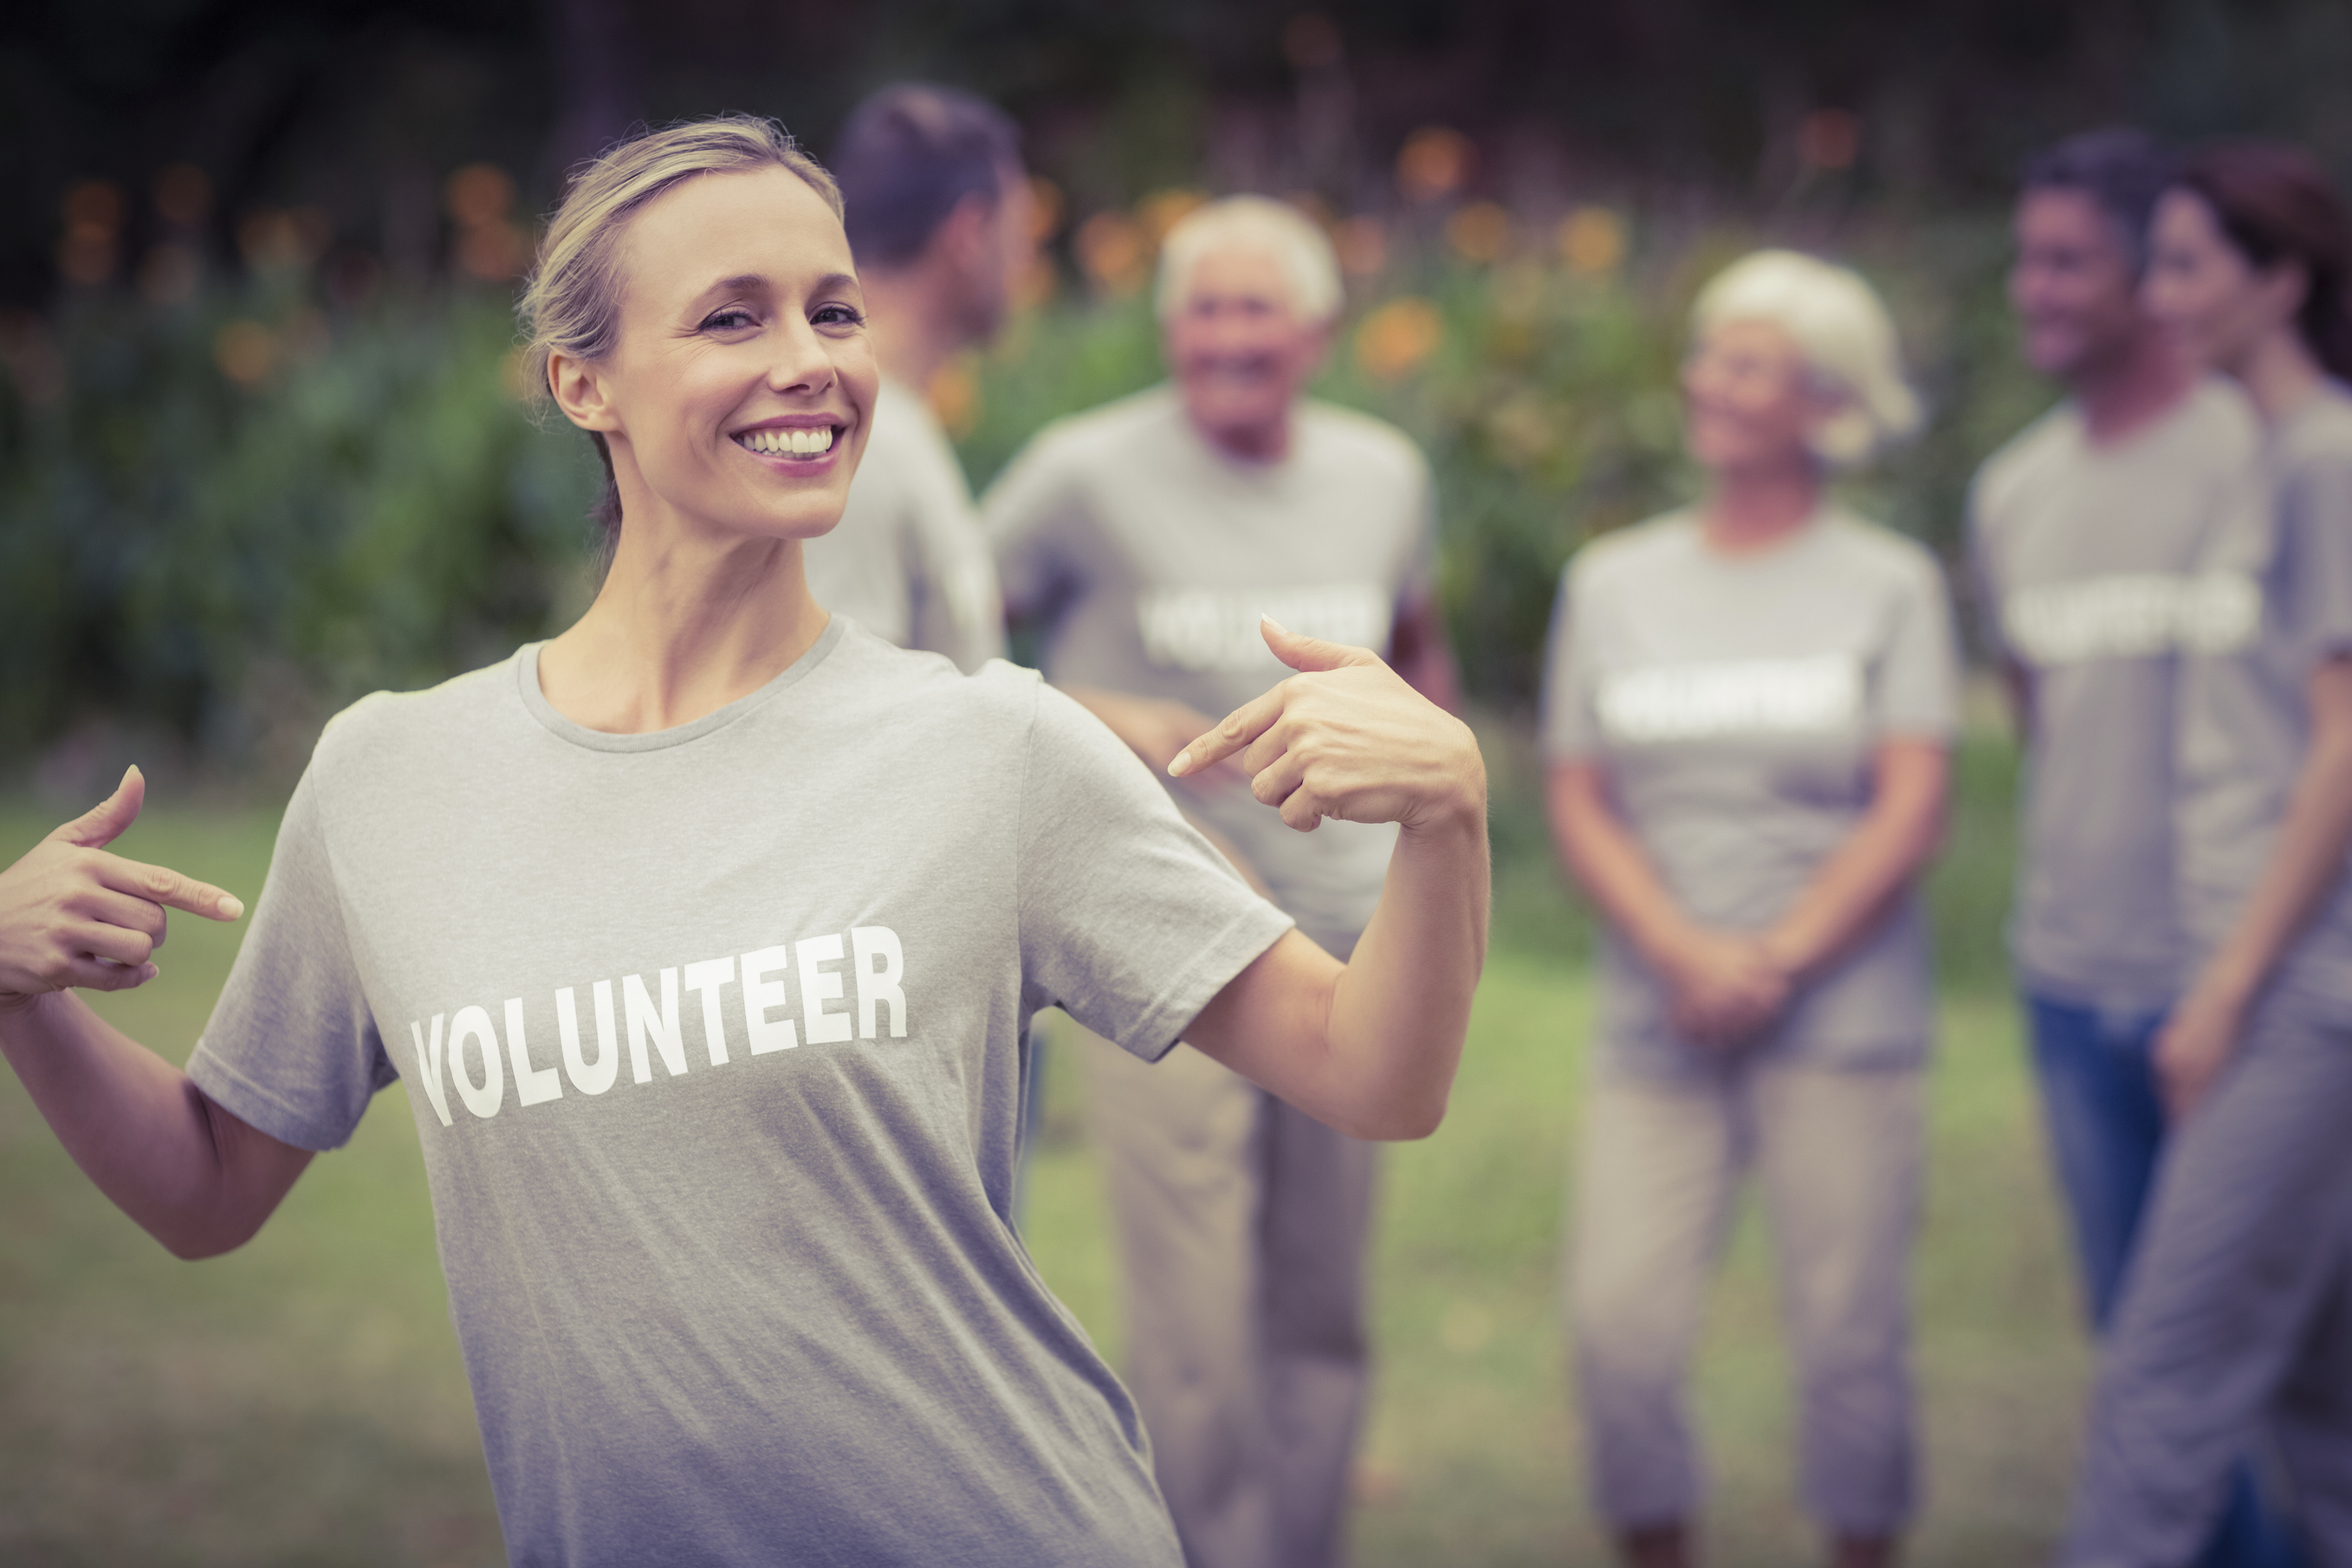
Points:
(1748, 715)
(2238, 1308)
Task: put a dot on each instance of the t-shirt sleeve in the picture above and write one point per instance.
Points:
(1983, 586)
(959, 611)
(1418, 580)
(2316, 509)
(1028, 514)
(1129, 921)
(1571, 723)
(1915, 688)
(292, 1048)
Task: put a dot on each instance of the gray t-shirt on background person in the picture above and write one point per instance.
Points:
(1737, 703)
(2277, 583)
(907, 561)
(1148, 556)
(713, 1040)
(2085, 555)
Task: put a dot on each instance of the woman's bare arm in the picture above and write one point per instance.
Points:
(1895, 837)
(2305, 863)
(196, 1178)
(1725, 986)
(1369, 1046)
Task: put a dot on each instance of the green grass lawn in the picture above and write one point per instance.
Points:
(301, 1402)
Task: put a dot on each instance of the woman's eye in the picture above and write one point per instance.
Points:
(732, 319)
(836, 316)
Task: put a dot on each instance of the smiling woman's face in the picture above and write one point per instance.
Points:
(738, 394)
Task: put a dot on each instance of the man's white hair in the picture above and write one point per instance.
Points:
(1253, 222)
(1843, 331)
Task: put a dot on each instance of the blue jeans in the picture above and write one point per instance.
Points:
(2107, 1125)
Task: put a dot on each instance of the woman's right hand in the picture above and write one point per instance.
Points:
(73, 915)
(1724, 988)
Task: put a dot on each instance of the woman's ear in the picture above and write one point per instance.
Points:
(578, 390)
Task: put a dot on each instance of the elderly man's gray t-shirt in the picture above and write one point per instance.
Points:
(1149, 556)
(2086, 555)
(1736, 703)
(2279, 573)
(713, 1038)
(908, 560)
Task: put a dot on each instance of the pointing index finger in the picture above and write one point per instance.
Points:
(162, 885)
(1233, 733)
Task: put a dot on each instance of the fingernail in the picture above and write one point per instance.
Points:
(1179, 763)
(232, 907)
(1277, 625)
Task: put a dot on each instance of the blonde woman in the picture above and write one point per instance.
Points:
(1746, 713)
(705, 935)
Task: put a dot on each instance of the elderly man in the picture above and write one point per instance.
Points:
(939, 216)
(1145, 539)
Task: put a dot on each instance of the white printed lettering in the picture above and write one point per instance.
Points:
(2131, 616)
(879, 963)
(533, 1086)
(1202, 629)
(759, 993)
(1812, 695)
(584, 1077)
(819, 986)
(707, 977)
(667, 1037)
(428, 1066)
(474, 1024)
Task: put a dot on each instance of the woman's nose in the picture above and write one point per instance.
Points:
(801, 362)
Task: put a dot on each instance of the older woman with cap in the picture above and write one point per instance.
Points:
(1747, 713)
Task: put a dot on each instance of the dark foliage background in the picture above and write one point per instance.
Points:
(258, 453)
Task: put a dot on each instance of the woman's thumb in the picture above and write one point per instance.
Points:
(102, 823)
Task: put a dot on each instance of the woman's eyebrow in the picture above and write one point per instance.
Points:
(755, 282)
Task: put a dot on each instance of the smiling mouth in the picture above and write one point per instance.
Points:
(798, 442)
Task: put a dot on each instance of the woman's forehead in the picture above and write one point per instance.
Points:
(766, 222)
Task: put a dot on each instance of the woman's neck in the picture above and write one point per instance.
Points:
(685, 624)
(1754, 509)
(2279, 374)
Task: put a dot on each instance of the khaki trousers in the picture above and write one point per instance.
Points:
(1242, 1226)
(1838, 1156)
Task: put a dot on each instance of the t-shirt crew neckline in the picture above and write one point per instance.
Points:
(1789, 545)
(1260, 470)
(2135, 442)
(578, 734)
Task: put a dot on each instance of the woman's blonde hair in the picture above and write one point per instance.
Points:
(572, 302)
(1844, 333)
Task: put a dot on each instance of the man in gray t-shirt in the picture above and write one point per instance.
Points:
(939, 217)
(2086, 533)
(1146, 539)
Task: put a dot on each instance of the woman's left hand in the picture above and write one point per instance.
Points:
(1346, 738)
(2194, 1045)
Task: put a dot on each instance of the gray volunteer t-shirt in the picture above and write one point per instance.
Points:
(713, 1038)
(2086, 554)
(1149, 556)
(907, 560)
(2278, 576)
(1737, 703)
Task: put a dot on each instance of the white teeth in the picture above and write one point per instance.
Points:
(801, 443)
